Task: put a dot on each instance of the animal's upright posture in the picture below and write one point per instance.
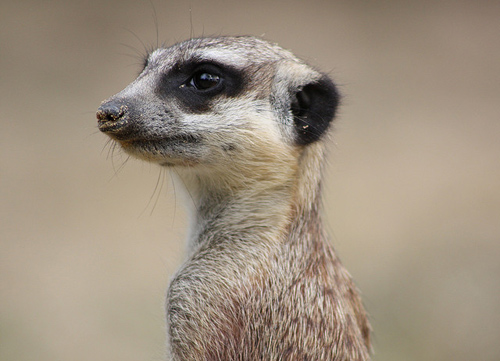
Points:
(243, 122)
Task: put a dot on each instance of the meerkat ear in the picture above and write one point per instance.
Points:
(313, 107)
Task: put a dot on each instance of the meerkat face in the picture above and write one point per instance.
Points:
(220, 102)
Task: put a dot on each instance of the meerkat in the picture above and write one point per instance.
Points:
(244, 123)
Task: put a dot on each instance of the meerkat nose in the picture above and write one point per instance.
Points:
(112, 116)
(110, 112)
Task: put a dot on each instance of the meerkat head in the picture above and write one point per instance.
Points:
(224, 102)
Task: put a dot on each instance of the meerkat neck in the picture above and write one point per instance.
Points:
(254, 215)
(258, 212)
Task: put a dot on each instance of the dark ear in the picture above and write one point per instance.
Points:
(313, 108)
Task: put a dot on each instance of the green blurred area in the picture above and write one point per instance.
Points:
(88, 240)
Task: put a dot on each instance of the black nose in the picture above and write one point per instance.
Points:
(112, 116)
(111, 111)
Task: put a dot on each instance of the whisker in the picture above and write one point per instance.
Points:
(123, 164)
(155, 20)
(138, 53)
(186, 188)
(158, 185)
(172, 181)
(191, 31)
(147, 49)
(160, 182)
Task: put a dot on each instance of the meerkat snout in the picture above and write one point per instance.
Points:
(243, 123)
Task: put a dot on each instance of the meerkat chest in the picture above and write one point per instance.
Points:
(289, 310)
(207, 306)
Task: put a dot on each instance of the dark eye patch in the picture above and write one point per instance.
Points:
(196, 84)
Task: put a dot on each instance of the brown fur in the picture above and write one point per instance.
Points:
(299, 303)
(261, 281)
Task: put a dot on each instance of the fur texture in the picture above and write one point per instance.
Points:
(243, 122)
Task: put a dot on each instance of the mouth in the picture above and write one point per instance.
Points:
(106, 126)
(146, 140)
(158, 143)
(171, 147)
(168, 151)
(129, 134)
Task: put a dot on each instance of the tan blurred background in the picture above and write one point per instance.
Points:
(88, 243)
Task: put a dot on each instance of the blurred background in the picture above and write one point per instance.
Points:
(89, 240)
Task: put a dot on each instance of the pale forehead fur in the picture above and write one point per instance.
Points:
(239, 52)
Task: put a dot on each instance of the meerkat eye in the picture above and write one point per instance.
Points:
(204, 81)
